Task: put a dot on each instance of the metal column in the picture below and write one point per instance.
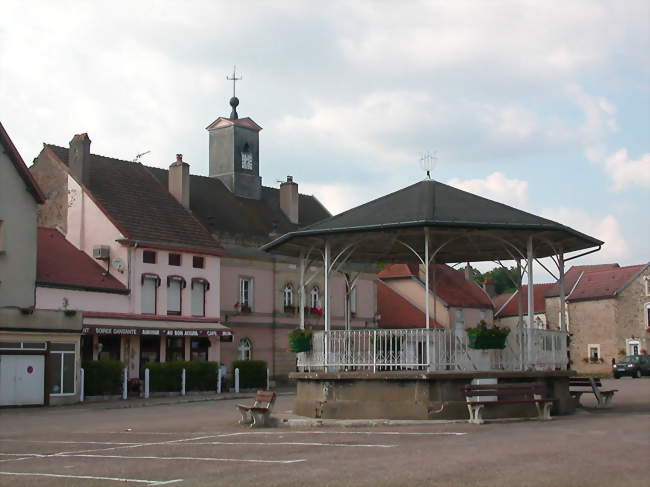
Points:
(531, 299)
(302, 290)
(326, 304)
(426, 293)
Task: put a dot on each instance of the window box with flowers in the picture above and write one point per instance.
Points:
(289, 309)
(593, 360)
(300, 340)
(315, 310)
(487, 336)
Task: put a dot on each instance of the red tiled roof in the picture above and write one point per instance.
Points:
(571, 277)
(512, 308)
(397, 312)
(20, 166)
(500, 300)
(399, 270)
(452, 287)
(604, 283)
(61, 264)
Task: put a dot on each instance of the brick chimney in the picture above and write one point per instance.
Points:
(179, 181)
(468, 273)
(289, 200)
(488, 287)
(79, 158)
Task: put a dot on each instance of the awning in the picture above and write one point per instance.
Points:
(132, 324)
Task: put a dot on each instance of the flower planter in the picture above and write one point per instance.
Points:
(300, 344)
(482, 342)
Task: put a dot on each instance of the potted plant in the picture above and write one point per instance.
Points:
(300, 340)
(487, 336)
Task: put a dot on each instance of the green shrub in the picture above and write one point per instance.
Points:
(102, 377)
(166, 377)
(252, 373)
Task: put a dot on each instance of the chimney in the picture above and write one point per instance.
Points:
(79, 158)
(179, 181)
(468, 273)
(289, 200)
(488, 287)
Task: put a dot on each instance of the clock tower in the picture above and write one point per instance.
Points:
(234, 153)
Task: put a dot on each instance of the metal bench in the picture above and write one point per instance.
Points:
(258, 414)
(515, 393)
(579, 385)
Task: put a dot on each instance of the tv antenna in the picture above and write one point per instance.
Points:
(428, 162)
(139, 156)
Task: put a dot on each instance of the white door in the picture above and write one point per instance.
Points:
(21, 379)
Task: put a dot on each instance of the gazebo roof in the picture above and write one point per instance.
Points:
(471, 228)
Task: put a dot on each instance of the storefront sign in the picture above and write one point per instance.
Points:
(96, 330)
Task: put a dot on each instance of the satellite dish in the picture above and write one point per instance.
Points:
(118, 265)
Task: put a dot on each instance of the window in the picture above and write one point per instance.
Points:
(150, 283)
(175, 349)
(199, 287)
(245, 294)
(149, 351)
(647, 315)
(353, 300)
(62, 369)
(246, 158)
(174, 259)
(108, 347)
(633, 347)
(315, 297)
(198, 262)
(594, 352)
(199, 348)
(287, 296)
(245, 349)
(175, 284)
(148, 256)
(646, 279)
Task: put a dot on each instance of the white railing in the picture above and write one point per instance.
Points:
(433, 350)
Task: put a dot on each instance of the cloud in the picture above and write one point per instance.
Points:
(627, 173)
(510, 121)
(497, 187)
(606, 228)
(599, 121)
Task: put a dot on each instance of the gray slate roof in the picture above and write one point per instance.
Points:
(450, 213)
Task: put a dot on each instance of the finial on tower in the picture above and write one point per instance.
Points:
(234, 101)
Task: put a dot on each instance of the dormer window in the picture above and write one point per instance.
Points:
(246, 158)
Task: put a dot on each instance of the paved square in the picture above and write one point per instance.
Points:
(201, 444)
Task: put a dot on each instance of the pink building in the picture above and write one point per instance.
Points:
(144, 272)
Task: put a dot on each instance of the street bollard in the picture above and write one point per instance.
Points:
(237, 380)
(268, 379)
(183, 382)
(219, 380)
(146, 383)
(125, 383)
(82, 385)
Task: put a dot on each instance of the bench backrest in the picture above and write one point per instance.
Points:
(264, 399)
(584, 382)
(506, 391)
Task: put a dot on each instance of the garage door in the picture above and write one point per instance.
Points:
(22, 380)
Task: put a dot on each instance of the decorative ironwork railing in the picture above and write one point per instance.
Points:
(432, 350)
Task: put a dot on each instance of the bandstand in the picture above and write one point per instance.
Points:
(419, 373)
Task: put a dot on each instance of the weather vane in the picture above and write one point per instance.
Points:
(428, 162)
(234, 79)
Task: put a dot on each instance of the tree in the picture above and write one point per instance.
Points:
(503, 279)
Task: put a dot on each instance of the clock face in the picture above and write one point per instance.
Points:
(246, 160)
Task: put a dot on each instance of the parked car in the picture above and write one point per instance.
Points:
(632, 365)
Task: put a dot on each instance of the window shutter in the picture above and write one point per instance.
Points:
(149, 296)
(198, 299)
(174, 296)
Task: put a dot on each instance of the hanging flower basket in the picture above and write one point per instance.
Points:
(299, 341)
(486, 336)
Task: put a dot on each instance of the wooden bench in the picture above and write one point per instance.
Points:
(579, 385)
(513, 393)
(258, 414)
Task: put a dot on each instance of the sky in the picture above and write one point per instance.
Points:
(543, 105)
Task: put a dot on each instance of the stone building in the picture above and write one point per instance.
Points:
(608, 314)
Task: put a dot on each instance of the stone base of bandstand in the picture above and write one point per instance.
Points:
(415, 394)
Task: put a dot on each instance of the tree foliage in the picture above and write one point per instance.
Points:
(503, 279)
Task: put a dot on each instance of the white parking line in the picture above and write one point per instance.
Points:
(92, 477)
(191, 443)
(287, 443)
(397, 433)
(205, 459)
